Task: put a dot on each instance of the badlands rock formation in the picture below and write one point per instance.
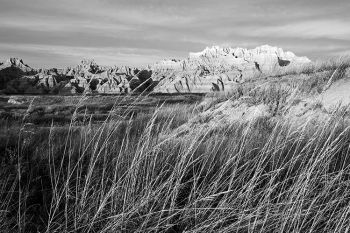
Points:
(11, 69)
(16, 77)
(220, 69)
(213, 69)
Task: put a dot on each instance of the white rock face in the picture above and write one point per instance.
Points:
(173, 64)
(216, 68)
(12, 100)
(16, 62)
(266, 57)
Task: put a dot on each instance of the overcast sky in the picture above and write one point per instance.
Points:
(58, 33)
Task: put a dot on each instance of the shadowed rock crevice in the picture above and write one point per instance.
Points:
(282, 62)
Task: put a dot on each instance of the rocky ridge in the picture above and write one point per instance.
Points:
(221, 68)
(213, 69)
(87, 77)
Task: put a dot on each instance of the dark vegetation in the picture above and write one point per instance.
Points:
(43, 110)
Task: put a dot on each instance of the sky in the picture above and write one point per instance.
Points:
(60, 33)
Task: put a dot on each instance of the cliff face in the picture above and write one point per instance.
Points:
(219, 68)
(266, 58)
(213, 69)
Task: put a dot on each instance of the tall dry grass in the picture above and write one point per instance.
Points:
(131, 173)
(134, 176)
(330, 64)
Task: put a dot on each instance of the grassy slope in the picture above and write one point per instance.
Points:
(134, 175)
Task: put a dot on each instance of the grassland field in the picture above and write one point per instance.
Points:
(178, 163)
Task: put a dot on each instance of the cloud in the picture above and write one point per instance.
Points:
(73, 54)
(139, 31)
(335, 29)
